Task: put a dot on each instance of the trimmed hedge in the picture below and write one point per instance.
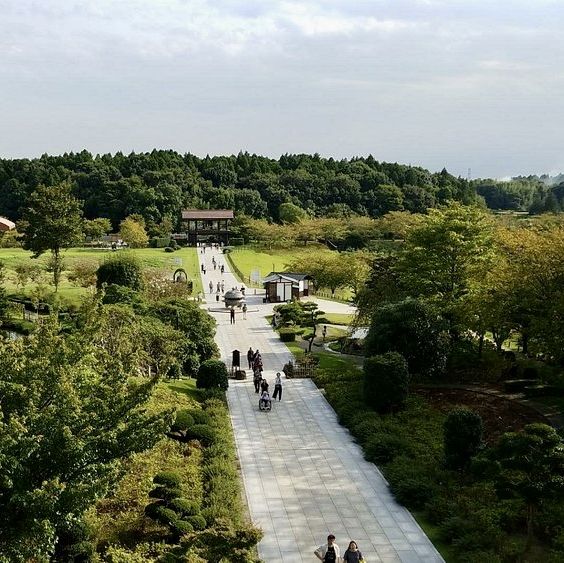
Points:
(287, 334)
(121, 268)
(463, 430)
(212, 374)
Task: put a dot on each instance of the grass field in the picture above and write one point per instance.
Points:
(186, 258)
(249, 260)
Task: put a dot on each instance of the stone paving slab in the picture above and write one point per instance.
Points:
(304, 476)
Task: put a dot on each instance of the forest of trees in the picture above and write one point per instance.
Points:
(157, 185)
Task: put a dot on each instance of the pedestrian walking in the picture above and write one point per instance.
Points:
(232, 316)
(263, 385)
(353, 554)
(244, 310)
(257, 376)
(210, 285)
(214, 265)
(222, 286)
(218, 287)
(278, 387)
(217, 297)
(222, 268)
(202, 267)
(204, 271)
(250, 356)
(329, 552)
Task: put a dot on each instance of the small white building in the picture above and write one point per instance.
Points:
(285, 286)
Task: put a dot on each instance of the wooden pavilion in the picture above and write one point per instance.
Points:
(207, 225)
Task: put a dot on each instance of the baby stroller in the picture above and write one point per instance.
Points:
(265, 403)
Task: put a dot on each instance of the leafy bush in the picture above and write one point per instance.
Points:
(121, 268)
(168, 249)
(415, 330)
(114, 294)
(199, 416)
(384, 447)
(167, 479)
(182, 421)
(184, 507)
(181, 527)
(203, 433)
(463, 430)
(386, 381)
(165, 493)
(287, 334)
(212, 374)
(164, 515)
(197, 521)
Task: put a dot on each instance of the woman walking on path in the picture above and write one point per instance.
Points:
(257, 376)
(277, 387)
(210, 285)
(244, 310)
(353, 554)
(250, 356)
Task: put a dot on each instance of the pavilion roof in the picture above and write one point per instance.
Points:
(203, 214)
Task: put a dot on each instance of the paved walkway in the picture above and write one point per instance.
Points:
(304, 475)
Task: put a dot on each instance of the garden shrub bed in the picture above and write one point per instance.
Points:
(469, 522)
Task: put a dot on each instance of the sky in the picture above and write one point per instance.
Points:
(461, 84)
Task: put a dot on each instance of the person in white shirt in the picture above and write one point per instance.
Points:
(329, 552)
(277, 387)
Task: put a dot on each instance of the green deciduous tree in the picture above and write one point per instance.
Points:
(444, 255)
(52, 221)
(133, 233)
(414, 329)
(70, 411)
(95, 229)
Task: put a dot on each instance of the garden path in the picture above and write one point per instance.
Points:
(304, 476)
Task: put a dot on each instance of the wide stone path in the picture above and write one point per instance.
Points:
(304, 476)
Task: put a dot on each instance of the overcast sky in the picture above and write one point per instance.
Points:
(458, 83)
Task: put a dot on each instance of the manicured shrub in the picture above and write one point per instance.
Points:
(199, 416)
(203, 433)
(413, 492)
(121, 268)
(114, 294)
(287, 334)
(182, 421)
(212, 374)
(383, 447)
(197, 521)
(415, 330)
(165, 493)
(386, 381)
(168, 249)
(181, 527)
(167, 479)
(184, 507)
(369, 425)
(164, 515)
(463, 431)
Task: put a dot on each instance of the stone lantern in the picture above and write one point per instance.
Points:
(233, 298)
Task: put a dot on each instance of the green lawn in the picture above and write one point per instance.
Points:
(186, 258)
(338, 318)
(248, 260)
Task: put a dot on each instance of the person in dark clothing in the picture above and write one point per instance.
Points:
(353, 554)
(250, 356)
(277, 387)
(257, 376)
(264, 385)
(232, 316)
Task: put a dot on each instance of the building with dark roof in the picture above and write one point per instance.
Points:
(285, 286)
(207, 225)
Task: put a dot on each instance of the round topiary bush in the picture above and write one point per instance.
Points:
(212, 374)
(184, 507)
(167, 479)
(203, 433)
(182, 421)
(122, 268)
(200, 416)
(164, 515)
(181, 527)
(463, 431)
(386, 381)
(168, 249)
(383, 448)
(198, 522)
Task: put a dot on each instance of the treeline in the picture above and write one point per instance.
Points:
(157, 185)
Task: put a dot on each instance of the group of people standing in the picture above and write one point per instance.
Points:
(330, 552)
(254, 360)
